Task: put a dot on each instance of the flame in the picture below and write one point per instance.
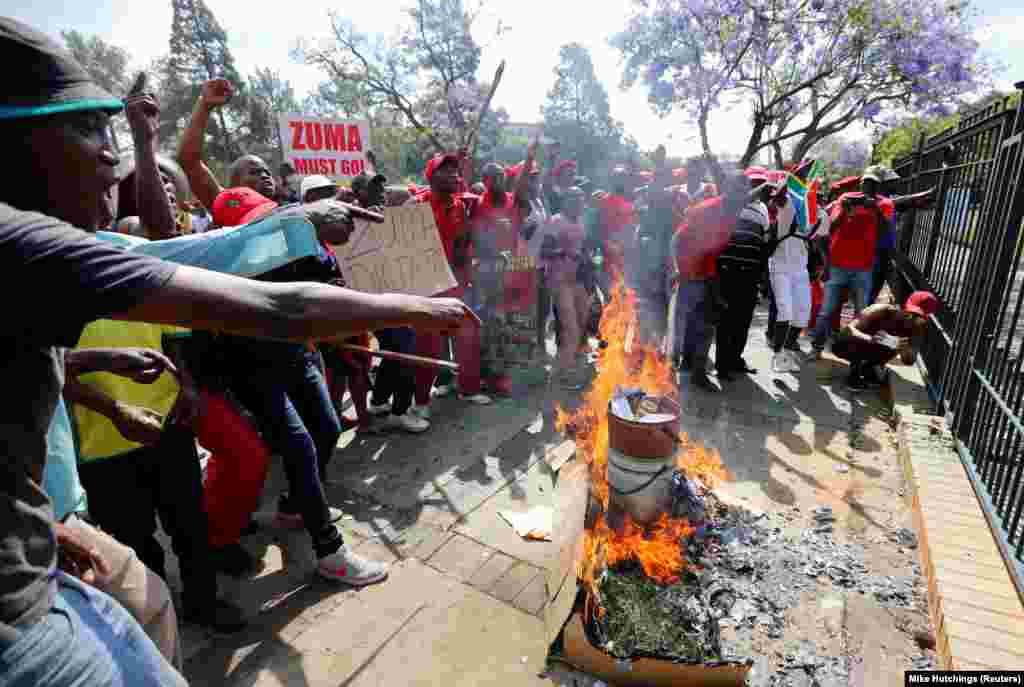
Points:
(628, 363)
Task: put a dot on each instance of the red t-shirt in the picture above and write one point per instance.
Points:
(702, 238)
(855, 233)
(485, 211)
(618, 217)
(451, 220)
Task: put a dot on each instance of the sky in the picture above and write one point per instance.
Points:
(537, 28)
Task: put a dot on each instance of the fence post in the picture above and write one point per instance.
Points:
(937, 221)
(999, 227)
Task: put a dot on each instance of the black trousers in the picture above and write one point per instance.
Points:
(127, 492)
(395, 380)
(739, 287)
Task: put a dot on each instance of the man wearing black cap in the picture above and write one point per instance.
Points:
(370, 190)
(55, 629)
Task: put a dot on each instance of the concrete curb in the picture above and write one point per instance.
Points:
(976, 614)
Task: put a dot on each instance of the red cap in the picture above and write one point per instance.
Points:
(923, 303)
(437, 161)
(237, 206)
(563, 166)
(757, 173)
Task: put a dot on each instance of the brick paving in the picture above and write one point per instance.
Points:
(465, 599)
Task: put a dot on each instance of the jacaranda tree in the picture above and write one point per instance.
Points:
(804, 69)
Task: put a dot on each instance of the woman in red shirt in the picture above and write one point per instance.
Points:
(563, 252)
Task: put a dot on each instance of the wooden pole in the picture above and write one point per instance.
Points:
(475, 134)
(403, 357)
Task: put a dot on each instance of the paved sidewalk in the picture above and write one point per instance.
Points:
(464, 602)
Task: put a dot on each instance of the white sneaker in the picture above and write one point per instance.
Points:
(407, 423)
(442, 391)
(382, 409)
(421, 412)
(780, 363)
(793, 360)
(350, 568)
(478, 399)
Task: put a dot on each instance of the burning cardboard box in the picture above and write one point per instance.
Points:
(626, 602)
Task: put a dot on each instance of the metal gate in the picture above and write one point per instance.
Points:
(967, 250)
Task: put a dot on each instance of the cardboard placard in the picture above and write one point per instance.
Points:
(402, 255)
(332, 147)
(506, 298)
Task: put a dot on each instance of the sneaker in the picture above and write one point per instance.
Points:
(350, 568)
(422, 412)
(407, 423)
(223, 617)
(443, 390)
(234, 561)
(780, 362)
(382, 409)
(793, 361)
(476, 399)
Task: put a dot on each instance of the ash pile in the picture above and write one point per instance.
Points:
(745, 574)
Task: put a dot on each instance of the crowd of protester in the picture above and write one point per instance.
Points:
(147, 363)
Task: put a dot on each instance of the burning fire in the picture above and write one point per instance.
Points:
(628, 363)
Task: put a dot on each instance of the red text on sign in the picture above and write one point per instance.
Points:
(334, 137)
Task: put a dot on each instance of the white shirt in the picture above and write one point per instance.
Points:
(791, 255)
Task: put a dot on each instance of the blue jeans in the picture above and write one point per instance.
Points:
(859, 284)
(289, 397)
(86, 640)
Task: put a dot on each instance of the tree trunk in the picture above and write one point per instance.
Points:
(779, 162)
(704, 143)
(804, 146)
(754, 142)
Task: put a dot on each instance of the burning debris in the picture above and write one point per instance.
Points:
(676, 586)
(643, 591)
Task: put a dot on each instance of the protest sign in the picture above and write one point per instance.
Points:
(402, 255)
(333, 147)
(505, 294)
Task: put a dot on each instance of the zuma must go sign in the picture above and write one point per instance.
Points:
(333, 147)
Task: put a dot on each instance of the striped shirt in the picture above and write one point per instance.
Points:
(746, 244)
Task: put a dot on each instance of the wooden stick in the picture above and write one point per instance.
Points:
(474, 134)
(404, 357)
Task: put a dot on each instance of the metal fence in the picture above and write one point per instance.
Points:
(966, 249)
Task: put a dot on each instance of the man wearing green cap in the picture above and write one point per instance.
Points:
(856, 221)
(55, 629)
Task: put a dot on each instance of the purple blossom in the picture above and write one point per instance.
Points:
(788, 43)
(663, 92)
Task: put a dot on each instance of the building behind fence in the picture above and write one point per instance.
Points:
(966, 249)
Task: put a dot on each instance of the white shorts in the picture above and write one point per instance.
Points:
(792, 291)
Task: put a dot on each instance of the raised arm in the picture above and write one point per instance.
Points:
(204, 184)
(154, 207)
(523, 179)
